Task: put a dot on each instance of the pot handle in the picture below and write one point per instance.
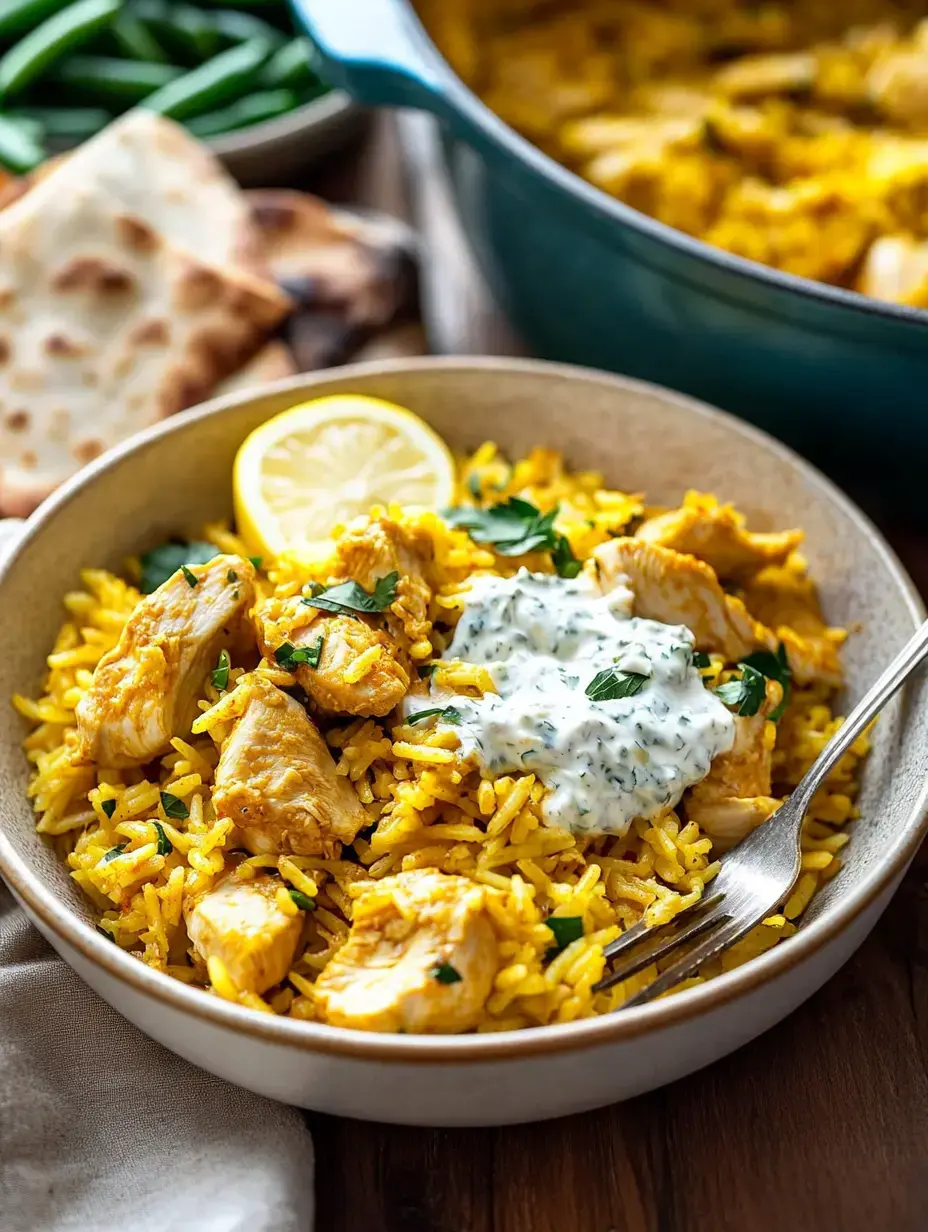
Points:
(377, 51)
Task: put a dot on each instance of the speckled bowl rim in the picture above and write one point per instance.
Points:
(686, 1006)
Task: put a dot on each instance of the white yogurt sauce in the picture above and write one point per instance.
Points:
(543, 639)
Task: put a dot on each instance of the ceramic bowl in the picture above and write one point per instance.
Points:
(177, 476)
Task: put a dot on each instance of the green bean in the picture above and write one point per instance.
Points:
(65, 123)
(189, 34)
(19, 150)
(252, 109)
(122, 81)
(135, 40)
(221, 79)
(20, 15)
(288, 67)
(240, 27)
(32, 56)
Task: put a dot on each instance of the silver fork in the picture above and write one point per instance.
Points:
(759, 873)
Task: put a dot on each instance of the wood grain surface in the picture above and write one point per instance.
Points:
(819, 1125)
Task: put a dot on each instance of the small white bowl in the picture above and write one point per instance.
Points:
(178, 475)
(272, 152)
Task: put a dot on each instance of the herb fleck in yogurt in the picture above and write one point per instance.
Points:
(627, 748)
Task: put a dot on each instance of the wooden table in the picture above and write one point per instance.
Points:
(819, 1126)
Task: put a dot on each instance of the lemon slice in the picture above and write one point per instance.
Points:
(325, 462)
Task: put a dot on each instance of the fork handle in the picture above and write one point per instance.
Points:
(872, 702)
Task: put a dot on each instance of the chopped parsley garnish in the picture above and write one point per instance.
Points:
(746, 692)
(473, 487)
(189, 577)
(563, 558)
(516, 526)
(165, 846)
(426, 670)
(445, 973)
(350, 597)
(220, 673)
(303, 901)
(114, 852)
(513, 527)
(290, 656)
(611, 684)
(174, 807)
(231, 576)
(774, 667)
(109, 807)
(448, 713)
(701, 660)
(566, 928)
(163, 562)
(257, 561)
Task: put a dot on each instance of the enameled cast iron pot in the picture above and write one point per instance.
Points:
(589, 280)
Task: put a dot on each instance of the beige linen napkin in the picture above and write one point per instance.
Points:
(102, 1130)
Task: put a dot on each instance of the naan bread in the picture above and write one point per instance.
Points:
(107, 325)
(272, 362)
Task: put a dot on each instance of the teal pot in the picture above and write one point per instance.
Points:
(587, 279)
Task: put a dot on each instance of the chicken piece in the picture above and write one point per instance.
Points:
(681, 590)
(145, 689)
(716, 534)
(787, 603)
(367, 553)
(411, 934)
(896, 269)
(898, 83)
(330, 684)
(756, 76)
(240, 923)
(277, 781)
(734, 797)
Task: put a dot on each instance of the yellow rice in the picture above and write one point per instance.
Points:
(426, 807)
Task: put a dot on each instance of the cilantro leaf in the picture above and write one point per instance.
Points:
(163, 562)
(105, 932)
(165, 846)
(303, 901)
(257, 561)
(774, 667)
(219, 677)
(566, 928)
(109, 807)
(445, 973)
(189, 577)
(513, 527)
(701, 660)
(290, 656)
(473, 487)
(448, 713)
(426, 670)
(746, 693)
(611, 684)
(563, 559)
(114, 852)
(350, 597)
(174, 807)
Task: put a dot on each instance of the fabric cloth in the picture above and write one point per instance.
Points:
(103, 1130)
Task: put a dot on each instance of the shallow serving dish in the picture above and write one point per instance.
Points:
(178, 476)
(587, 279)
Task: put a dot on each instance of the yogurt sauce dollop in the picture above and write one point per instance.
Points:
(543, 639)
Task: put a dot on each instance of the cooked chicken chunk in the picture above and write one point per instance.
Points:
(756, 76)
(370, 552)
(145, 689)
(898, 83)
(716, 534)
(896, 269)
(788, 604)
(680, 590)
(241, 923)
(421, 957)
(330, 683)
(734, 797)
(277, 781)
